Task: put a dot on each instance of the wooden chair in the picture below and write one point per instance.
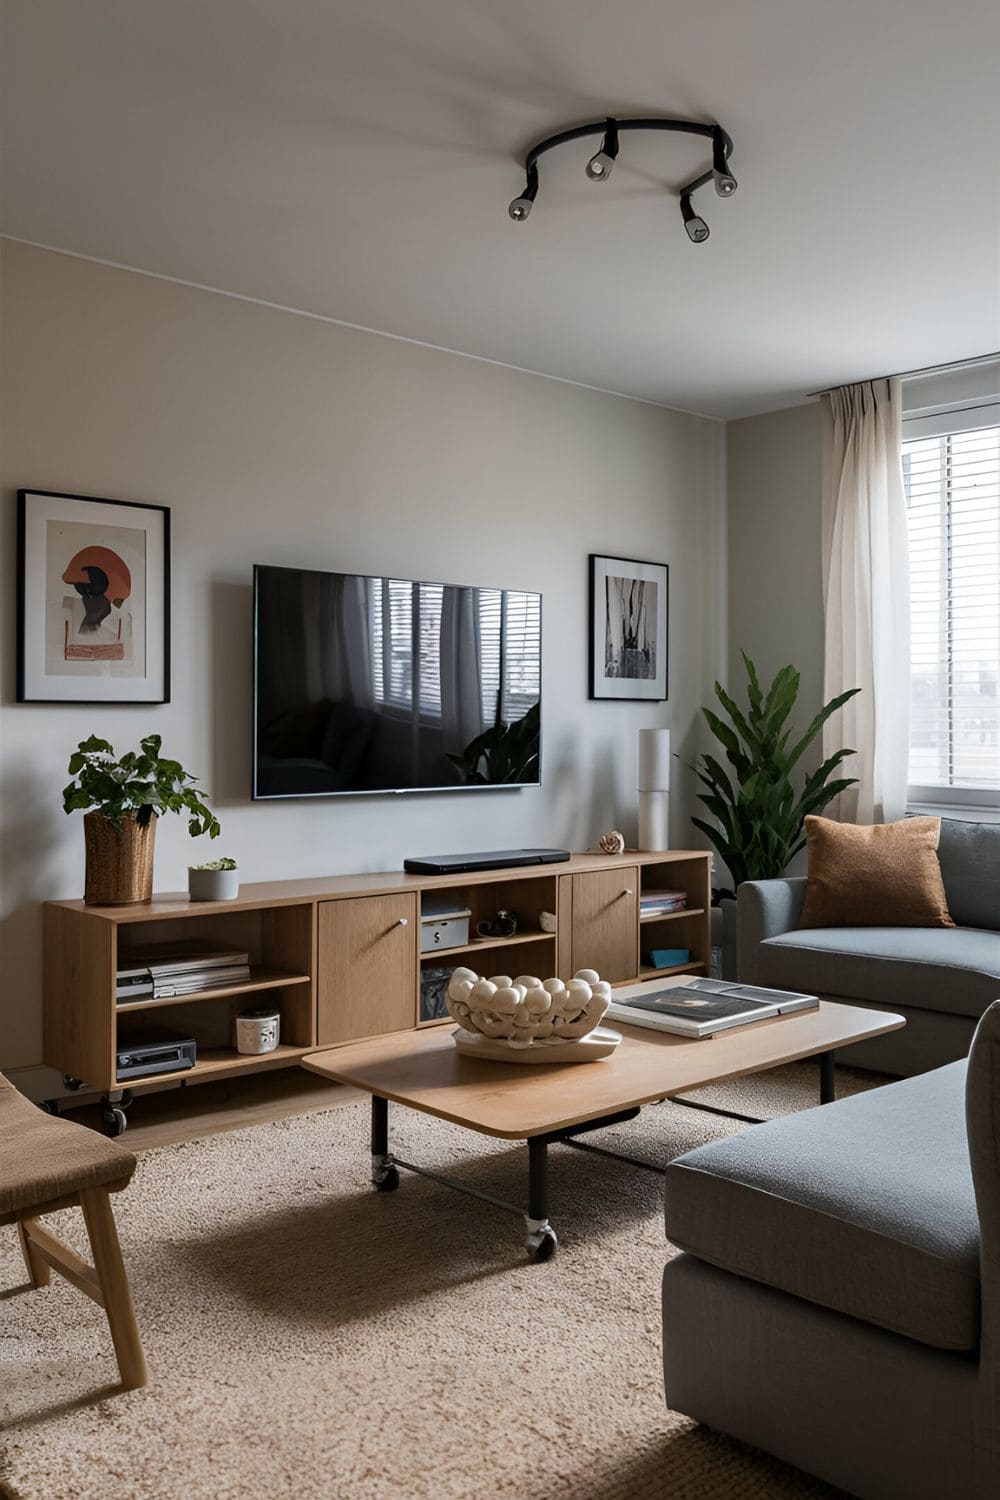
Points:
(47, 1164)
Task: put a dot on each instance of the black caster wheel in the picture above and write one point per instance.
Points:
(388, 1183)
(114, 1120)
(50, 1106)
(72, 1083)
(543, 1245)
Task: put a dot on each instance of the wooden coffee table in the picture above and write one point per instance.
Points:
(547, 1104)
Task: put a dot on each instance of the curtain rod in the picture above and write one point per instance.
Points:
(955, 364)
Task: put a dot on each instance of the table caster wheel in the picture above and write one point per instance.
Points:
(50, 1106)
(542, 1244)
(71, 1083)
(388, 1182)
(114, 1120)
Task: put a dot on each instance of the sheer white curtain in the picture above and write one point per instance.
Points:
(866, 585)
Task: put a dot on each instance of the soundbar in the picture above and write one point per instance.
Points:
(492, 859)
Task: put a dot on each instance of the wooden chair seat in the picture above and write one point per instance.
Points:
(48, 1163)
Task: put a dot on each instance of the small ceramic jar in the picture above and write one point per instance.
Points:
(258, 1030)
(213, 885)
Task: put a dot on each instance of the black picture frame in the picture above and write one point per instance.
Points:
(648, 656)
(35, 509)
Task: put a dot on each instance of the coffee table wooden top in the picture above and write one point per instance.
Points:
(423, 1070)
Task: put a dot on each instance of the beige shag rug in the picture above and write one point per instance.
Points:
(312, 1339)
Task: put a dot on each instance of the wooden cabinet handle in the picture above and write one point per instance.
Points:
(403, 922)
(627, 891)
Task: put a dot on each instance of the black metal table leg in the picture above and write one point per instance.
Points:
(541, 1239)
(827, 1078)
(385, 1177)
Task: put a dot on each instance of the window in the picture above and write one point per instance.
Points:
(951, 476)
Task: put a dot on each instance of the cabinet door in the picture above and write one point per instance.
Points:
(367, 965)
(605, 922)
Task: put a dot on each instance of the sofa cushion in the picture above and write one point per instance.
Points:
(969, 856)
(951, 969)
(874, 875)
(865, 1206)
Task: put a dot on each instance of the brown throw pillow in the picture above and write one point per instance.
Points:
(886, 875)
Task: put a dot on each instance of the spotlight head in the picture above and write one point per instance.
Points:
(520, 208)
(600, 164)
(697, 229)
(725, 182)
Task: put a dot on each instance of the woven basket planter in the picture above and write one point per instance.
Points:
(119, 869)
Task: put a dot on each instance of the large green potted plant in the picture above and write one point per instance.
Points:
(125, 797)
(759, 812)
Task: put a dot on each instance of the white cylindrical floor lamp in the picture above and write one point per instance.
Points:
(654, 789)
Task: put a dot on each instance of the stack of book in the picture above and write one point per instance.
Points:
(178, 969)
(662, 903)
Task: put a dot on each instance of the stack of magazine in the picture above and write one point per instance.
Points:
(703, 1007)
(178, 969)
(661, 903)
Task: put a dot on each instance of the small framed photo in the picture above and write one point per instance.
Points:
(93, 600)
(628, 629)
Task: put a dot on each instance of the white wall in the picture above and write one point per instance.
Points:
(276, 438)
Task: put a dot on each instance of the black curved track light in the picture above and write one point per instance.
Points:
(600, 165)
(725, 182)
(520, 208)
(697, 230)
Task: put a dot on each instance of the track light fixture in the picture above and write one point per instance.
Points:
(697, 229)
(520, 208)
(725, 182)
(600, 165)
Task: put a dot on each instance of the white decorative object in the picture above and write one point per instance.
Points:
(547, 921)
(612, 843)
(218, 881)
(654, 789)
(526, 1014)
(590, 1048)
(258, 1031)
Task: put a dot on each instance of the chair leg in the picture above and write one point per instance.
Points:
(110, 1268)
(38, 1271)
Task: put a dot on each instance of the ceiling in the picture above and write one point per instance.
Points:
(356, 160)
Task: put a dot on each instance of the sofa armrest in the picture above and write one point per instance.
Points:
(982, 1119)
(766, 908)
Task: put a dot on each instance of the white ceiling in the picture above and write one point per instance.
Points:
(356, 159)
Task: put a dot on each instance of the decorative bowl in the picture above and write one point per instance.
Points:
(526, 1013)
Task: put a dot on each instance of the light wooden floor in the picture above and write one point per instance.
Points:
(186, 1114)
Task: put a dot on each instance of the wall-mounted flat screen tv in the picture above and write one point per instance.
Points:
(388, 685)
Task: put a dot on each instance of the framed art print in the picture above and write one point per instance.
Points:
(93, 592)
(628, 629)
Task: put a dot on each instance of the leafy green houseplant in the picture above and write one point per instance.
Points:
(759, 814)
(122, 799)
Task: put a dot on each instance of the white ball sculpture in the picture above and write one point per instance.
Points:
(526, 1011)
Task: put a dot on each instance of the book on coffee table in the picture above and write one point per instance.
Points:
(702, 1007)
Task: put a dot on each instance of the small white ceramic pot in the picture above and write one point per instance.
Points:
(213, 885)
(258, 1031)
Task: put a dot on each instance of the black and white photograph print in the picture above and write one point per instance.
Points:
(628, 628)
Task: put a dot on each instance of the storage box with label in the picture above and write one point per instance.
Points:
(443, 923)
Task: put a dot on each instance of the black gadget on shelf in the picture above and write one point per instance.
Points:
(492, 859)
(143, 1054)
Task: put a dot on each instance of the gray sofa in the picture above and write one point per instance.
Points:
(838, 1299)
(941, 978)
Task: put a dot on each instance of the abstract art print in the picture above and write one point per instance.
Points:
(93, 600)
(628, 629)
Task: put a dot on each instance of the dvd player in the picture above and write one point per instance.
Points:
(492, 859)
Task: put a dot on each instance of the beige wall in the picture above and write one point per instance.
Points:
(281, 439)
(775, 568)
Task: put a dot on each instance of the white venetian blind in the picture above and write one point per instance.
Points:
(951, 475)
